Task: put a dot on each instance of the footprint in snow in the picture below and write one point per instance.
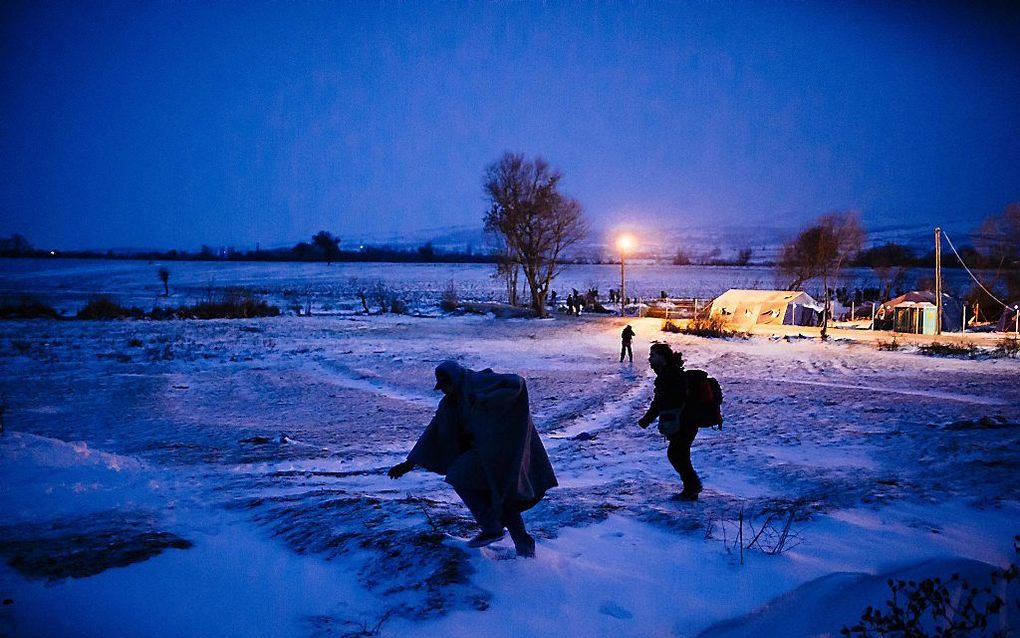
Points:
(496, 552)
(611, 608)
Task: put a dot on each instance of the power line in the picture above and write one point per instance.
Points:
(988, 292)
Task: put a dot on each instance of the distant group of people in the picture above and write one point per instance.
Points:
(574, 303)
(483, 440)
(577, 301)
(587, 301)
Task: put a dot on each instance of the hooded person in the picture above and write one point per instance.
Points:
(669, 399)
(626, 337)
(483, 440)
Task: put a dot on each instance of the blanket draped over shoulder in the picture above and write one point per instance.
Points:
(482, 438)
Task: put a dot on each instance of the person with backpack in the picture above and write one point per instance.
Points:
(625, 339)
(668, 406)
(483, 440)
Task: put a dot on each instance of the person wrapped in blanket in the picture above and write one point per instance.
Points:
(483, 440)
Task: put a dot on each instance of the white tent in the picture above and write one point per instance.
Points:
(779, 307)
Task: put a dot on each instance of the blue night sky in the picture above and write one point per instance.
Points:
(175, 124)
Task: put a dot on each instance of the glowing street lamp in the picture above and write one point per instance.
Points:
(625, 243)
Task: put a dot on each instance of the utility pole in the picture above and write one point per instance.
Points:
(623, 282)
(938, 281)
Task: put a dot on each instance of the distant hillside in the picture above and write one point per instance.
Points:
(699, 243)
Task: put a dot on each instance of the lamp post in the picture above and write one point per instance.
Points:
(624, 243)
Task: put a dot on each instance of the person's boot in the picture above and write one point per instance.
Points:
(525, 546)
(689, 493)
(484, 538)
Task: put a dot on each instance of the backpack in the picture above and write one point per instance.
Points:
(704, 398)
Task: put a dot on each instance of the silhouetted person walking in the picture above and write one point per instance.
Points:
(625, 339)
(483, 440)
(667, 406)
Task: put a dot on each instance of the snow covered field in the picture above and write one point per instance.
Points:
(68, 284)
(227, 478)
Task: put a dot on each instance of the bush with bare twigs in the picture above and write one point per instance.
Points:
(889, 346)
(939, 608)
(713, 327)
(769, 531)
(1008, 347)
(450, 300)
(947, 350)
(106, 308)
(27, 308)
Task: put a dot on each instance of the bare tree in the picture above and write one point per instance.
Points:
(820, 251)
(328, 245)
(15, 246)
(999, 242)
(536, 221)
(508, 269)
(711, 257)
(890, 263)
(164, 276)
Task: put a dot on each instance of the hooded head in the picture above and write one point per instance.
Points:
(661, 356)
(449, 376)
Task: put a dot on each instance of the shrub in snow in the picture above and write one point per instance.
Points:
(889, 345)
(939, 608)
(246, 308)
(386, 299)
(671, 326)
(701, 327)
(450, 300)
(106, 308)
(27, 308)
(947, 350)
(235, 304)
(769, 531)
(1008, 347)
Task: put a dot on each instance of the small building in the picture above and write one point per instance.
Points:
(773, 307)
(915, 313)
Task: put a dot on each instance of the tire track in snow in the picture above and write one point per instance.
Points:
(949, 396)
(589, 421)
(345, 378)
(606, 415)
(612, 412)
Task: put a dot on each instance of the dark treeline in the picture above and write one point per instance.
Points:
(886, 255)
(893, 254)
(323, 248)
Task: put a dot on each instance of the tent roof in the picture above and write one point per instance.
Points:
(951, 308)
(918, 296)
(735, 296)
